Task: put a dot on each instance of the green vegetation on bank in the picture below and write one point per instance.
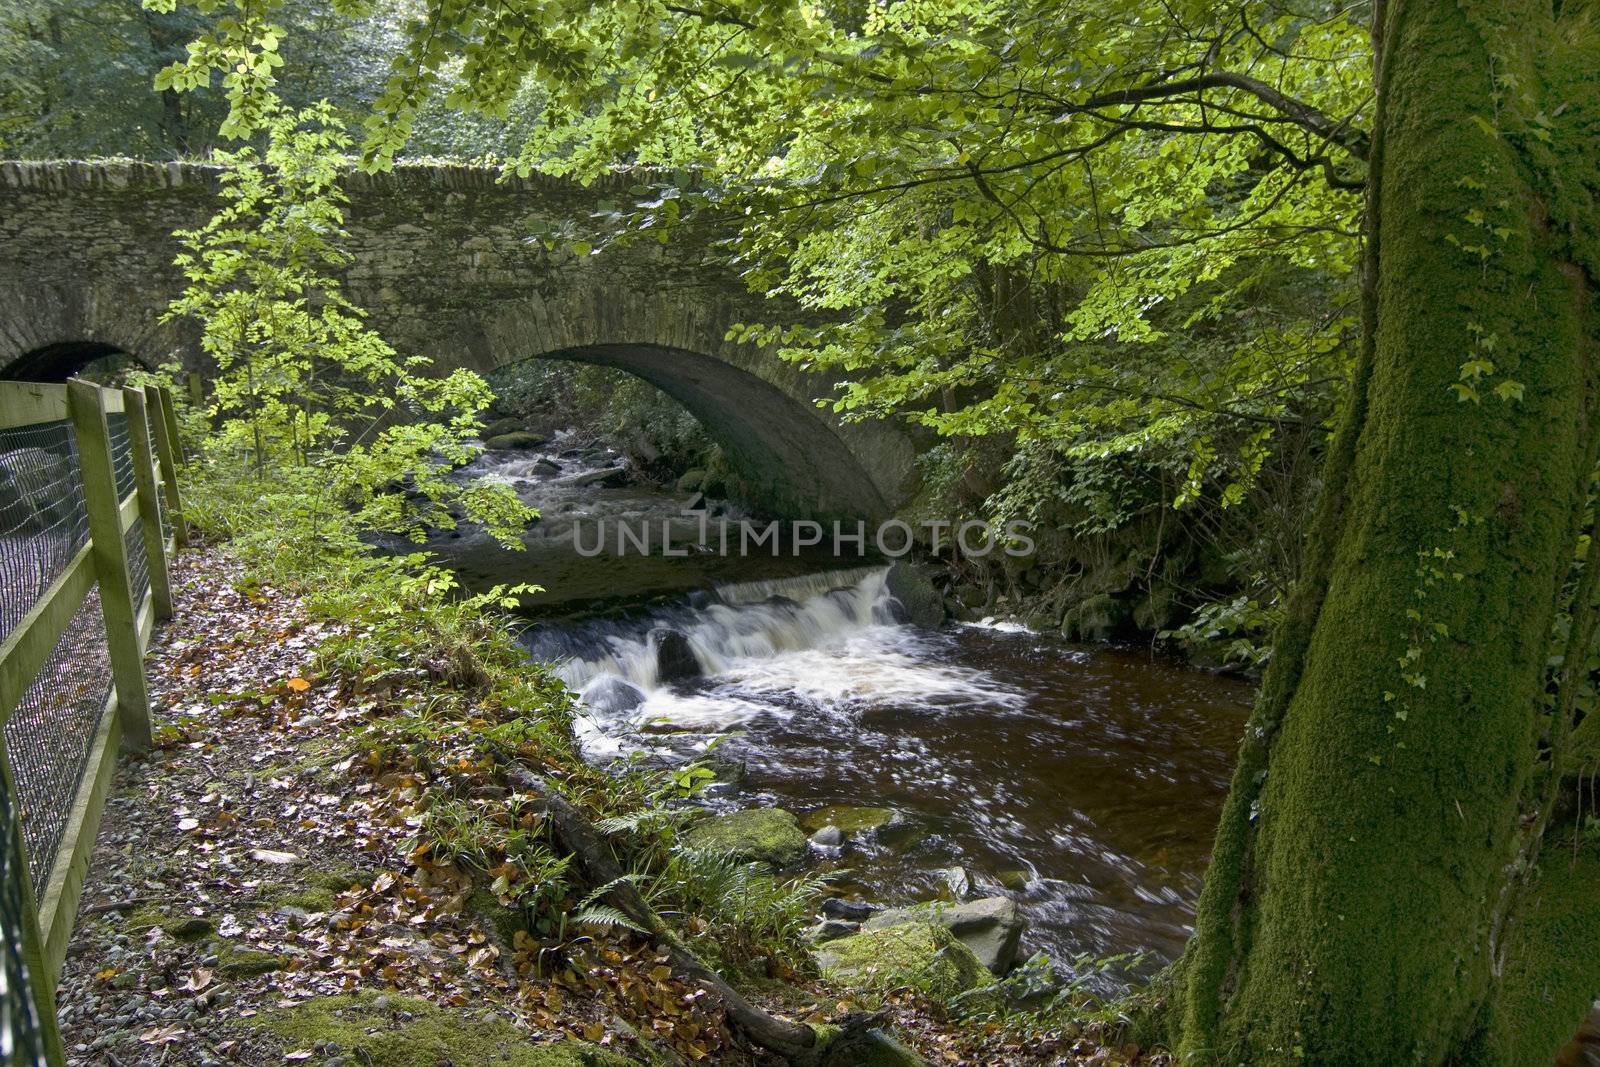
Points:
(315, 436)
(1288, 310)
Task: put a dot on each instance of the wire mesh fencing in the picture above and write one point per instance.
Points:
(122, 467)
(48, 736)
(71, 646)
(43, 520)
(21, 1030)
(51, 733)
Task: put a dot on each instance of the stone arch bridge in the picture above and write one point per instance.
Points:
(444, 266)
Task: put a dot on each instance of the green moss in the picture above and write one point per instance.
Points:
(925, 957)
(406, 1032)
(246, 963)
(1583, 748)
(182, 927)
(759, 835)
(868, 1048)
(851, 820)
(1359, 864)
(1098, 618)
(143, 918)
(320, 891)
(1015, 880)
(337, 879)
(1552, 970)
(505, 921)
(312, 898)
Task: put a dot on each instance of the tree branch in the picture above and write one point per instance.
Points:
(1336, 131)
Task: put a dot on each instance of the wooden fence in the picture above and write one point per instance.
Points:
(89, 511)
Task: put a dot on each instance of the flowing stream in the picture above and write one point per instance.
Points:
(1083, 781)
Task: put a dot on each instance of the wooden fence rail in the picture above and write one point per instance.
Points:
(150, 515)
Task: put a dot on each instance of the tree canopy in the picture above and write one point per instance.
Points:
(1113, 231)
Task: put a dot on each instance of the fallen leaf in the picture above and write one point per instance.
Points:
(162, 1035)
(299, 685)
(267, 855)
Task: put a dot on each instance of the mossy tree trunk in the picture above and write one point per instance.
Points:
(1355, 911)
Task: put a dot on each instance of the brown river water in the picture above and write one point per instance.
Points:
(1084, 781)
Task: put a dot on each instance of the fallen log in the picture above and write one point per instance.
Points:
(796, 1042)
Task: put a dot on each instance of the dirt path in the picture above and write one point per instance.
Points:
(247, 868)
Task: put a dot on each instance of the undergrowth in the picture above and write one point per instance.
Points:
(459, 699)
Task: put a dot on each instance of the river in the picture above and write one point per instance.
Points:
(1084, 781)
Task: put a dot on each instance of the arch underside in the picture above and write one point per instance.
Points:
(784, 450)
(58, 361)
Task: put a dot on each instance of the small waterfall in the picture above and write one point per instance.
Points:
(732, 622)
(797, 588)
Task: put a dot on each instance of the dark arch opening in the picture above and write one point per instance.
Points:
(66, 359)
(789, 458)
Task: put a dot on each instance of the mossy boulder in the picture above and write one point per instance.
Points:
(1098, 618)
(515, 440)
(387, 1030)
(992, 927)
(502, 427)
(246, 963)
(912, 588)
(852, 820)
(756, 835)
(921, 955)
(866, 1048)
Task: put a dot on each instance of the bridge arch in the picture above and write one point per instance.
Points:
(62, 360)
(768, 436)
(445, 267)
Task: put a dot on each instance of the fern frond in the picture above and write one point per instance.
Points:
(595, 896)
(604, 915)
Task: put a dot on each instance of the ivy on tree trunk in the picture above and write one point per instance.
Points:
(1362, 905)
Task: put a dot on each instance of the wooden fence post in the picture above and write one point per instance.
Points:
(110, 551)
(165, 425)
(144, 479)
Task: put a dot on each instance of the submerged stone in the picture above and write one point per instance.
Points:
(851, 910)
(1016, 880)
(604, 478)
(828, 837)
(757, 835)
(848, 819)
(958, 883)
(612, 695)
